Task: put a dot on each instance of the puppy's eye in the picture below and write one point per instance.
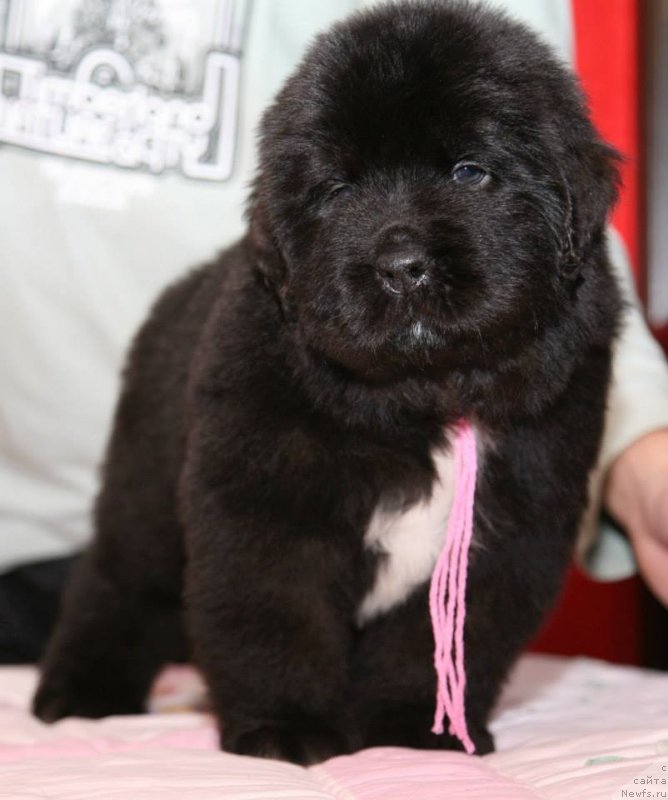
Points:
(469, 174)
(338, 189)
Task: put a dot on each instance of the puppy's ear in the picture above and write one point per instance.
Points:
(590, 185)
(266, 252)
(264, 249)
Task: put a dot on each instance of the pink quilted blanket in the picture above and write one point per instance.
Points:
(575, 729)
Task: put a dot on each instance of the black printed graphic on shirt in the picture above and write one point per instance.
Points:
(147, 85)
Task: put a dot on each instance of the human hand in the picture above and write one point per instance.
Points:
(636, 494)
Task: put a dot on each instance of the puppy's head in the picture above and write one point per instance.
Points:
(430, 191)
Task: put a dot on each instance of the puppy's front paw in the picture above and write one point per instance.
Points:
(305, 744)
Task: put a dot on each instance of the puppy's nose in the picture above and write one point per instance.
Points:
(401, 268)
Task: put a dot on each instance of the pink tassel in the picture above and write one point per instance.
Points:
(447, 594)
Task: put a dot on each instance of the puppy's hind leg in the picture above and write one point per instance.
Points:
(121, 614)
(110, 641)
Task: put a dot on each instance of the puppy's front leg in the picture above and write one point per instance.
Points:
(394, 681)
(522, 546)
(269, 596)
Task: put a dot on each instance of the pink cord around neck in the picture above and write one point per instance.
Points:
(447, 594)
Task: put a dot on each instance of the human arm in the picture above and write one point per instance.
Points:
(631, 481)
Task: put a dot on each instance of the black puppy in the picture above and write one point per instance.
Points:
(426, 244)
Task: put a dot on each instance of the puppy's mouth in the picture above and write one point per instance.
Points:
(403, 311)
(413, 317)
(405, 332)
(417, 335)
(401, 316)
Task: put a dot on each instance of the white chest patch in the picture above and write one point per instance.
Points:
(410, 541)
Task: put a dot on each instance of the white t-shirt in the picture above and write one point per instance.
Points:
(127, 141)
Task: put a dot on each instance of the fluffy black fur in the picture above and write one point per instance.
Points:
(278, 396)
